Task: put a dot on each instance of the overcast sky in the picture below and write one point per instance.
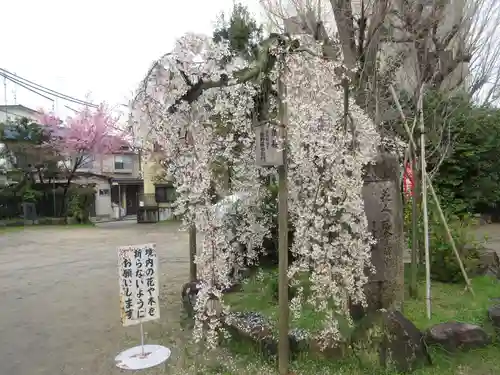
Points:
(101, 47)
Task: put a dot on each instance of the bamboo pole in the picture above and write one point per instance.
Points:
(450, 238)
(420, 109)
(408, 152)
(283, 345)
(427, 181)
(414, 229)
(411, 154)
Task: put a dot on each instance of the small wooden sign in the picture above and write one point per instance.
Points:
(268, 152)
(138, 276)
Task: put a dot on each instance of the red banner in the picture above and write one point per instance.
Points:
(408, 181)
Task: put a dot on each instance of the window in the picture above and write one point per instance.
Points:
(123, 162)
(165, 194)
(87, 161)
(103, 192)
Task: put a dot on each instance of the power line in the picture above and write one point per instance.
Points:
(36, 86)
(27, 82)
(27, 88)
(39, 90)
(74, 110)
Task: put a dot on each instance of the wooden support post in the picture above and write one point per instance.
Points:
(283, 317)
(192, 253)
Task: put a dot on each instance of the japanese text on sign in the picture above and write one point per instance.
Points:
(268, 152)
(138, 276)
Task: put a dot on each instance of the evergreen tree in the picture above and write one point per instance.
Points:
(241, 30)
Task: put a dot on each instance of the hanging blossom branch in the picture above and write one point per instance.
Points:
(328, 155)
(327, 160)
(194, 130)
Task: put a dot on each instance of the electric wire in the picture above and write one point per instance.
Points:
(39, 91)
(27, 88)
(26, 82)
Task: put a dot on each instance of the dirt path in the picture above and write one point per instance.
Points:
(59, 297)
(492, 232)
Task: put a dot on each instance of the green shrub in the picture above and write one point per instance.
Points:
(273, 287)
(444, 264)
(80, 202)
(31, 195)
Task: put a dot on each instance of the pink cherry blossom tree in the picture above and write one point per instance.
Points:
(90, 132)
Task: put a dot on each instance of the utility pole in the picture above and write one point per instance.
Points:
(5, 94)
(14, 91)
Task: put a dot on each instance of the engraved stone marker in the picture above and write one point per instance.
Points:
(384, 211)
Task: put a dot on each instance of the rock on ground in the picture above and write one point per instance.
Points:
(494, 315)
(453, 336)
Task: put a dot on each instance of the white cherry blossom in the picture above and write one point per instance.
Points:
(326, 162)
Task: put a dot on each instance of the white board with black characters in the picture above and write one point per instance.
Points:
(138, 276)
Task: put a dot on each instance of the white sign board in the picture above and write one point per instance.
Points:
(138, 276)
(268, 153)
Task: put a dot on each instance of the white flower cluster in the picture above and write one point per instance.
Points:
(193, 138)
(325, 173)
(331, 241)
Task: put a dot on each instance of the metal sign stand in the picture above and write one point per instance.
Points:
(143, 356)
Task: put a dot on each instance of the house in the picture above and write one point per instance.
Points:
(10, 113)
(116, 177)
(117, 180)
(158, 191)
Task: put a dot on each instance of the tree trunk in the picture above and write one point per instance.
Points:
(66, 187)
(63, 200)
(342, 11)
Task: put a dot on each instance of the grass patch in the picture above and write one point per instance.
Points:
(450, 302)
(453, 302)
(257, 294)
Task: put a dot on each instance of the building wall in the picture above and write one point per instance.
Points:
(105, 164)
(152, 172)
(148, 177)
(11, 112)
(406, 76)
(102, 200)
(103, 206)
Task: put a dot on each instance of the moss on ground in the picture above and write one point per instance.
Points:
(450, 302)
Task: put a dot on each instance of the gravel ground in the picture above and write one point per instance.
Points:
(59, 309)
